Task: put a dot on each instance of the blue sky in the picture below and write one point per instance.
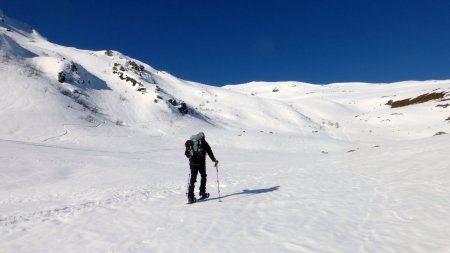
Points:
(226, 42)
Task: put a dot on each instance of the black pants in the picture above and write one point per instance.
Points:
(195, 169)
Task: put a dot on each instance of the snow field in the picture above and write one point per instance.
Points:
(374, 199)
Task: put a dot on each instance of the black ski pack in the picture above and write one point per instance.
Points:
(194, 145)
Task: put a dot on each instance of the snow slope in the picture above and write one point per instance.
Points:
(92, 159)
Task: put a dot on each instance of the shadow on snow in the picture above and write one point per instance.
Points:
(246, 192)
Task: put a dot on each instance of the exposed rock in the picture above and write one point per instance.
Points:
(417, 100)
(73, 67)
(183, 108)
(135, 66)
(443, 105)
(142, 89)
(61, 77)
(172, 102)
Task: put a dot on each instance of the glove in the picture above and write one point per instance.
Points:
(216, 162)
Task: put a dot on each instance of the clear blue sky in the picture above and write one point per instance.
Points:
(226, 41)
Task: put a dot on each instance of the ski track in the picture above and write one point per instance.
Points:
(66, 132)
(122, 197)
(54, 146)
(117, 198)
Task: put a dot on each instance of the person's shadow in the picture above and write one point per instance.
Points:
(247, 192)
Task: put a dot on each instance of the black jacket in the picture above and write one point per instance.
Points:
(201, 159)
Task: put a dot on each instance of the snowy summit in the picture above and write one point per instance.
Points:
(92, 146)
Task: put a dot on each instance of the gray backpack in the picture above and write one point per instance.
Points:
(195, 145)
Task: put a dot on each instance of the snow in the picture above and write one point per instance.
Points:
(93, 165)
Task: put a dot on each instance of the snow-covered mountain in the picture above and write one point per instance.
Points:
(107, 87)
(92, 158)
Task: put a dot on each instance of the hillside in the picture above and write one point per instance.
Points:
(92, 143)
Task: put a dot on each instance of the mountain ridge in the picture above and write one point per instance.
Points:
(111, 87)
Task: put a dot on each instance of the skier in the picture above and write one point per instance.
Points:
(196, 150)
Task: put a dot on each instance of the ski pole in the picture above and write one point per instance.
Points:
(187, 186)
(218, 186)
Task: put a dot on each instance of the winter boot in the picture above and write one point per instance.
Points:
(191, 199)
(204, 195)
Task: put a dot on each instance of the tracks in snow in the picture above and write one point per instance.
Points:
(116, 199)
(37, 144)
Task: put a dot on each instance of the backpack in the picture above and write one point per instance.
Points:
(194, 145)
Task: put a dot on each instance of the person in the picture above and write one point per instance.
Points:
(196, 149)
